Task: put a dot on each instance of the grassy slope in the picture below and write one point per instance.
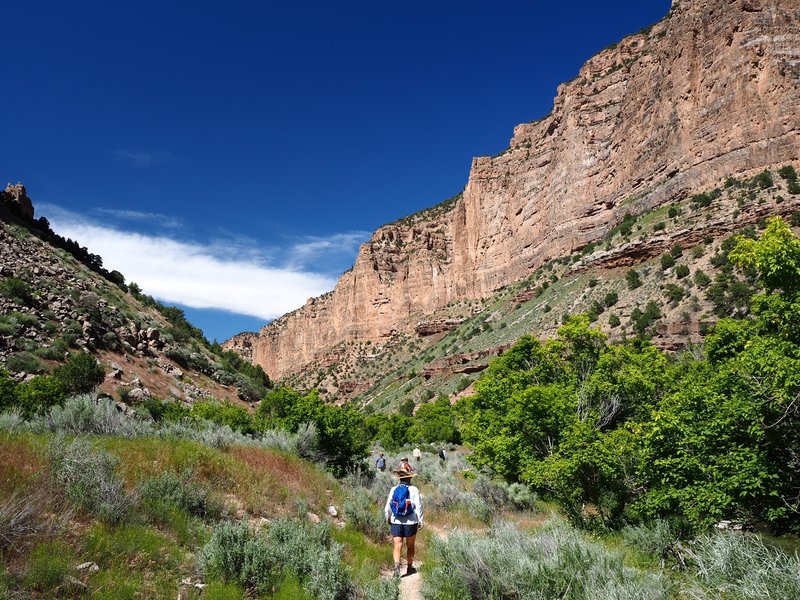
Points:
(150, 556)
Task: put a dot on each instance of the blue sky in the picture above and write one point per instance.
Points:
(231, 157)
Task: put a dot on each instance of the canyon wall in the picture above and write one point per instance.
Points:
(710, 91)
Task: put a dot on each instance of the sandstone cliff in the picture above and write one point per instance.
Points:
(712, 90)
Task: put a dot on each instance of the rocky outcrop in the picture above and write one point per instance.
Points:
(463, 363)
(17, 196)
(425, 328)
(712, 90)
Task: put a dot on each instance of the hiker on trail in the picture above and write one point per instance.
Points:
(403, 512)
(417, 453)
(405, 465)
(380, 463)
(442, 455)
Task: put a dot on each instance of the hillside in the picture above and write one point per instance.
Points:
(56, 299)
(710, 92)
(448, 351)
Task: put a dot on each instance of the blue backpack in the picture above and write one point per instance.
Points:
(401, 501)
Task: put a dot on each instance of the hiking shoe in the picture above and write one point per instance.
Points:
(396, 570)
(410, 570)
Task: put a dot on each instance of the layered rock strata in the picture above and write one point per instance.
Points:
(712, 90)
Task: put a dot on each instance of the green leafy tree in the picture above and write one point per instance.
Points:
(80, 374)
(275, 407)
(435, 422)
(224, 413)
(39, 394)
(7, 390)
(343, 433)
(393, 431)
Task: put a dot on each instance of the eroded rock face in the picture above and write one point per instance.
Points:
(712, 90)
(18, 194)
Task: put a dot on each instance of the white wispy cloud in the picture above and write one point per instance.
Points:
(147, 217)
(141, 158)
(193, 274)
(315, 251)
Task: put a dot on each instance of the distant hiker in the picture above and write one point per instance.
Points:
(442, 455)
(417, 453)
(380, 463)
(405, 465)
(403, 512)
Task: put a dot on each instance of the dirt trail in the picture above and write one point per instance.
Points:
(411, 587)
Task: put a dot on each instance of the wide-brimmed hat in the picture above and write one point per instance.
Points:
(403, 473)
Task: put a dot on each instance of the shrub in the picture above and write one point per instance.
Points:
(764, 180)
(554, 562)
(610, 299)
(674, 211)
(163, 410)
(236, 554)
(365, 515)
(701, 200)
(89, 479)
(667, 262)
(80, 374)
(788, 172)
(49, 353)
(681, 271)
(24, 362)
(741, 566)
(793, 188)
(20, 521)
(224, 555)
(492, 493)
(641, 321)
(655, 538)
(521, 497)
(633, 279)
(613, 320)
(701, 279)
(660, 226)
(674, 293)
(17, 291)
(676, 251)
(11, 420)
(84, 414)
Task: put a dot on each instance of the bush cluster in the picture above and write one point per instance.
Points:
(617, 432)
(89, 479)
(258, 561)
(554, 562)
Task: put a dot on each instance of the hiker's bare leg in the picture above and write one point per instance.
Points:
(397, 549)
(410, 550)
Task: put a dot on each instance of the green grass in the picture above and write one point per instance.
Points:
(290, 588)
(365, 557)
(132, 545)
(189, 531)
(266, 480)
(47, 566)
(118, 583)
(222, 591)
